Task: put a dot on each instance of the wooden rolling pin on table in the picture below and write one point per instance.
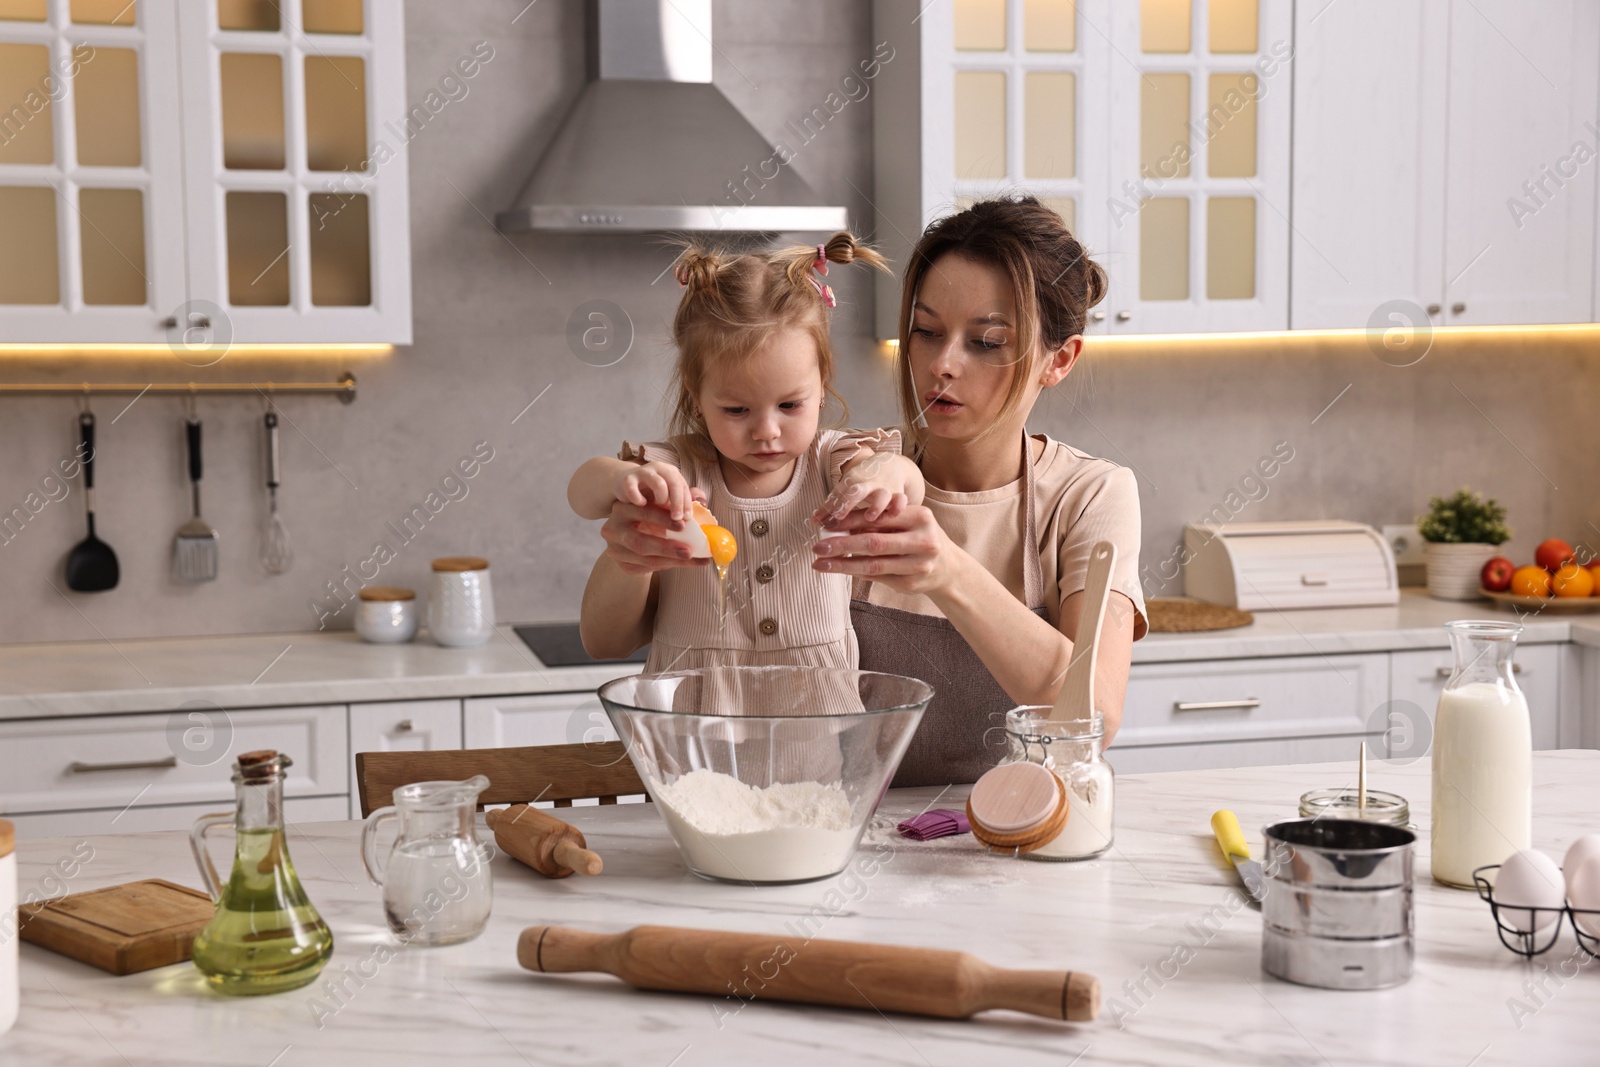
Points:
(846, 974)
(553, 848)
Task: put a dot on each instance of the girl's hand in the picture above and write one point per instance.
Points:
(873, 486)
(659, 484)
(635, 540)
(906, 551)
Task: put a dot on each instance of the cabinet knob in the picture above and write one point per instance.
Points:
(1456, 309)
(1124, 316)
(1433, 309)
(169, 323)
(403, 726)
(1097, 316)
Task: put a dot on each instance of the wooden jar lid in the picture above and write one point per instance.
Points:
(461, 563)
(386, 593)
(1018, 807)
(8, 838)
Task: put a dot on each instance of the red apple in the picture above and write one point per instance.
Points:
(1552, 553)
(1496, 574)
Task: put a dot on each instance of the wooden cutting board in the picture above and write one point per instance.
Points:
(122, 928)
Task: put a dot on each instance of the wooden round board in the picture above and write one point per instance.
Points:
(1175, 616)
(1562, 605)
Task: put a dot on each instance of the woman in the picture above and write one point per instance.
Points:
(976, 590)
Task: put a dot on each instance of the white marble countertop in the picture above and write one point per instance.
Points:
(1417, 621)
(268, 670)
(1122, 917)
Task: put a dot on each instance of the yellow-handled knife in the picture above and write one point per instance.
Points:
(1225, 824)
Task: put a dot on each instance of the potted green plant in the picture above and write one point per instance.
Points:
(1462, 531)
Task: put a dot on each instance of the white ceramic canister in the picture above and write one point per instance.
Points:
(386, 615)
(8, 926)
(461, 602)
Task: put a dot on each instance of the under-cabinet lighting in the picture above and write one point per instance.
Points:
(147, 350)
(1574, 330)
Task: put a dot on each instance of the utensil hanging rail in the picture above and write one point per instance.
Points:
(344, 388)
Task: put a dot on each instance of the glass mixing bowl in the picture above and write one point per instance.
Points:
(766, 775)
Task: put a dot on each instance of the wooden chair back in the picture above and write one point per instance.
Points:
(560, 773)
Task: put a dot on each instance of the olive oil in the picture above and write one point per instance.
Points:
(266, 936)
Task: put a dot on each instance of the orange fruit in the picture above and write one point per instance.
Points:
(1531, 580)
(723, 546)
(1594, 572)
(1572, 580)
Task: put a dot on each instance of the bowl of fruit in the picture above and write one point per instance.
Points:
(1554, 581)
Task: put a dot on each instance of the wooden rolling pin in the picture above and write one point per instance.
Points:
(846, 974)
(553, 848)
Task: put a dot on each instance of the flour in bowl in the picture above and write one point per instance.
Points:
(786, 832)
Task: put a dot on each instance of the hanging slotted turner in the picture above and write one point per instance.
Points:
(194, 552)
(1076, 699)
(277, 551)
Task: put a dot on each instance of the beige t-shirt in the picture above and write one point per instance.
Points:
(1079, 500)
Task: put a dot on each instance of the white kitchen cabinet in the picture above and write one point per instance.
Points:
(1418, 677)
(542, 719)
(185, 756)
(1197, 209)
(1369, 162)
(1158, 131)
(1216, 754)
(139, 820)
(1444, 157)
(205, 173)
(402, 726)
(91, 174)
(1520, 208)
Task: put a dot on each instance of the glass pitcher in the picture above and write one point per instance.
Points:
(1482, 755)
(436, 884)
(266, 937)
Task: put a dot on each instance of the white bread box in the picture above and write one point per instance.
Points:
(1270, 565)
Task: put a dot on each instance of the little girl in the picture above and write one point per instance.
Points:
(755, 367)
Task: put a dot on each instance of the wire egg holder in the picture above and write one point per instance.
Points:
(1532, 942)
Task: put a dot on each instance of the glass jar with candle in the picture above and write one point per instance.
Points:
(1071, 748)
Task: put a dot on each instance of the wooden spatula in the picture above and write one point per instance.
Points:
(1076, 699)
(845, 974)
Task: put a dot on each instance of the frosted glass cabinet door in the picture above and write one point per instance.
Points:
(1196, 218)
(91, 207)
(298, 227)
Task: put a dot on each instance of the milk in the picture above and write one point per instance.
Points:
(1482, 779)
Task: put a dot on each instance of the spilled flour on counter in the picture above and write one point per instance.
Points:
(788, 831)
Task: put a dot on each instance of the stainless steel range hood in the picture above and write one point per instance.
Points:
(652, 145)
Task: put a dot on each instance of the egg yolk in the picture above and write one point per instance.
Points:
(723, 546)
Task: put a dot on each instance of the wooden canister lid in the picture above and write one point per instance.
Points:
(461, 563)
(386, 593)
(1014, 797)
(8, 838)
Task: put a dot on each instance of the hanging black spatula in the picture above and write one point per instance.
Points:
(91, 565)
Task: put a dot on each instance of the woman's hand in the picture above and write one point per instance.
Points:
(906, 551)
(636, 542)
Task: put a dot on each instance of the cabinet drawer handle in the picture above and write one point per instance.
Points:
(404, 726)
(1445, 672)
(80, 767)
(1313, 579)
(1215, 705)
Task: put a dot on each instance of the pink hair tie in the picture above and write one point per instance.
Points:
(821, 263)
(824, 291)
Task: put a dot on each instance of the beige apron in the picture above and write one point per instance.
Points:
(962, 733)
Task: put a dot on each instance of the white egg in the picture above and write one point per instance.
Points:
(692, 534)
(1582, 868)
(1527, 880)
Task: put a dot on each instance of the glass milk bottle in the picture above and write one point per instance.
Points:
(1482, 756)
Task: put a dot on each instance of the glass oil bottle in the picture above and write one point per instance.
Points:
(266, 936)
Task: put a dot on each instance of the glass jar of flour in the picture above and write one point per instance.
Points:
(1071, 748)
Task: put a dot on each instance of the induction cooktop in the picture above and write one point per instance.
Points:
(557, 644)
